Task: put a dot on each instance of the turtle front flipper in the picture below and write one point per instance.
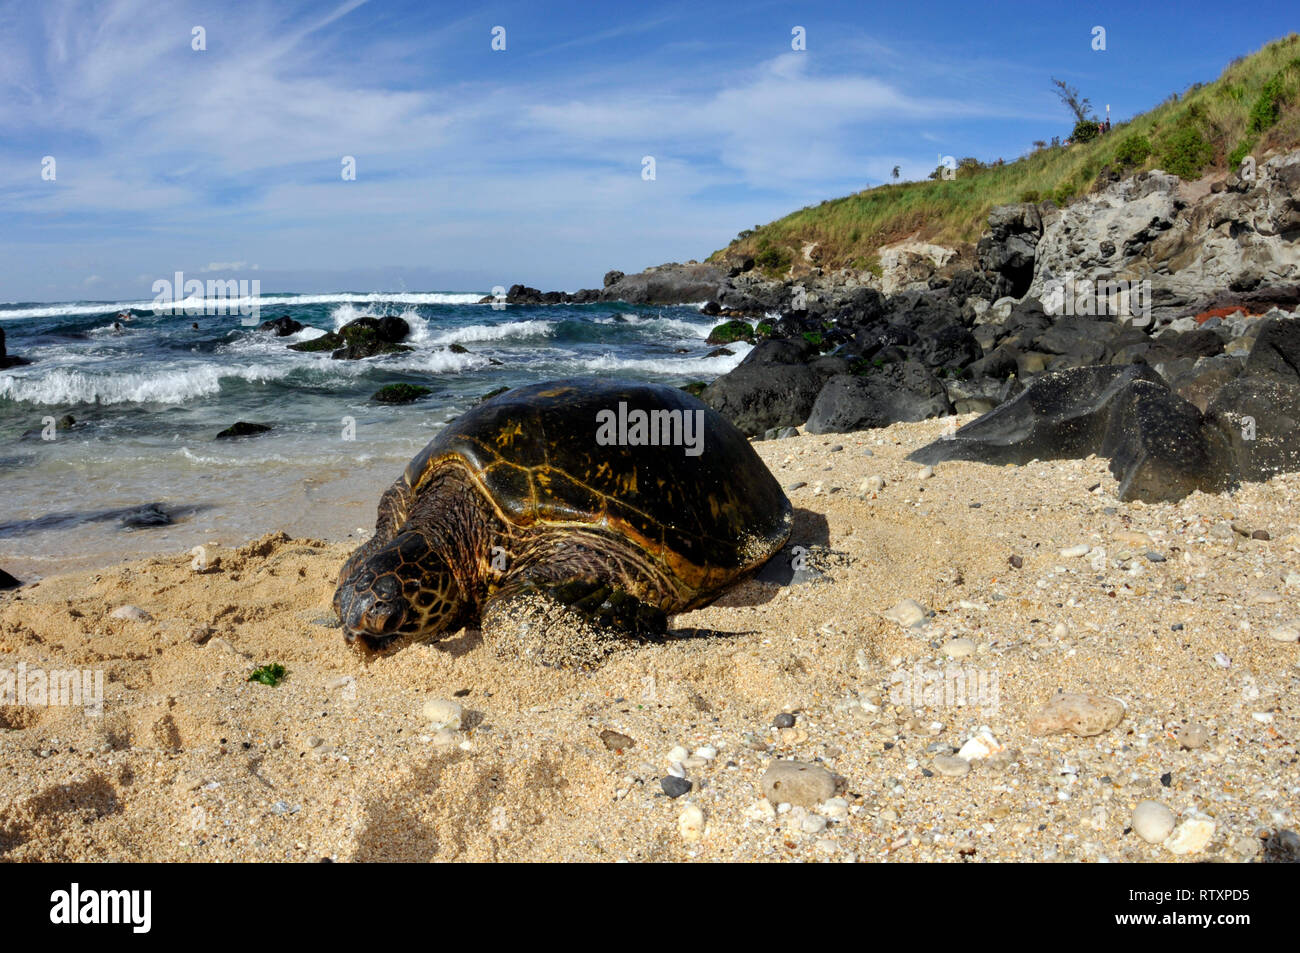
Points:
(612, 608)
(573, 624)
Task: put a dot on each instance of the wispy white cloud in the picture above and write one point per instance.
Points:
(183, 156)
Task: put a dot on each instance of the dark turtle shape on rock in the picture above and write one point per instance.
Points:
(537, 493)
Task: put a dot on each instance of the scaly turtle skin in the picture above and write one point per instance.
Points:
(519, 497)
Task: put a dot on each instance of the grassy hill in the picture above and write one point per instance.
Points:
(1252, 109)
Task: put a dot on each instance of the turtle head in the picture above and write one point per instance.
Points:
(403, 588)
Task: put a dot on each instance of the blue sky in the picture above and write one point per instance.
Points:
(477, 167)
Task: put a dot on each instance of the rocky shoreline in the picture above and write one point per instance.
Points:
(1152, 322)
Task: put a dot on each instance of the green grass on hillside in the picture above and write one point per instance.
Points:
(1252, 109)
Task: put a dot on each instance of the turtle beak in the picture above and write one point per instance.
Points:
(375, 623)
(377, 643)
(376, 617)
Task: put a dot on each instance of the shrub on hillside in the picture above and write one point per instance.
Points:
(871, 264)
(1133, 151)
(1064, 193)
(1185, 152)
(773, 259)
(1239, 153)
(1265, 110)
(1085, 130)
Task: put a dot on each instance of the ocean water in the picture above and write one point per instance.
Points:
(149, 399)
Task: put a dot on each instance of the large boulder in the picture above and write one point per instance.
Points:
(914, 264)
(874, 339)
(758, 397)
(368, 337)
(1192, 250)
(969, 283)
(979, 395)
(1160, 448)
(860, 305)
(1199, 384)
(521, 294)
(1000, 363)
(1259, 417)
(9, 360)
(283, 326)
(1061, 415)
(894, 393)
(949, 346)
(730, 332)
(668, 284)
(780, 351)
(1007, 252)
(1083, 338)
(1276, 351)
(752, 295)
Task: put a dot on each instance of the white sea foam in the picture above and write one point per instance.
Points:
(108, 330)
(270, 346)
(63, 386)
(437, 362)
(483, 333)
(421, 333)
(265, 302)
(349, 311)
(674, 325)
(240, 458)
(704, 367)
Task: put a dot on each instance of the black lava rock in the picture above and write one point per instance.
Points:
(878, 398)
(9, 360)
(369, 337)
(1259, 417)
(243, 429)
(151, 514)
(1159, 445)
(757, 397)
(400, 393)
(283, 326)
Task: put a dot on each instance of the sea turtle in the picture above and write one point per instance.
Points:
(623, 501)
